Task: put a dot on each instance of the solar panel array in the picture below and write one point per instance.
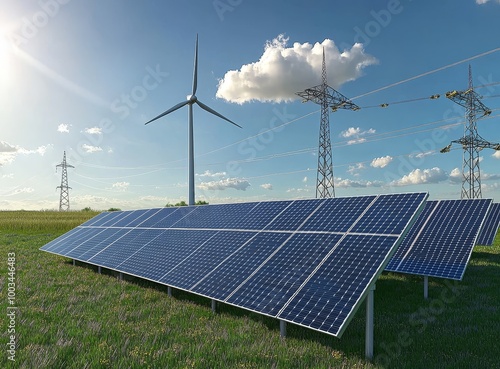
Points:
(441, 241)
(308, 262)
(490, 227)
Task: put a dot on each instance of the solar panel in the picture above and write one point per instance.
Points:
(310, 262)
(441, 241)
(321, 304)
(490, 228)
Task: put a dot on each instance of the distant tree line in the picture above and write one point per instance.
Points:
(169, 205)
(183, 203)
(87, 209)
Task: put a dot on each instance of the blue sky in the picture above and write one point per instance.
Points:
(84, 76)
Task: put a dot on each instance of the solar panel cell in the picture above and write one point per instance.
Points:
(93, 245)
(441, 242)
(63, 247)
(224, 278)
(263, 214)
(121, 249)
(328, 297)
(157, 217)
(388, 215)
(490, 227)
(210, 253)
(275, 281)
(294, 215)
(164, 252)
(337, 216)
(98, 218)
(227, 216)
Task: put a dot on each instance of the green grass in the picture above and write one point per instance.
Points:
(72, 317)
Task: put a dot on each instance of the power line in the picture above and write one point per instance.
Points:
(428, 73)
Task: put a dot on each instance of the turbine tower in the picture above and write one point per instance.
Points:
(191, 100)
(64, 198)
(472, 143)
(325, 96)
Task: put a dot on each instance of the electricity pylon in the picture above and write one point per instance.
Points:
(472, 143)
(325, 96)
(64, 199)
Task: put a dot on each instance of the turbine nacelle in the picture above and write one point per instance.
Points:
(191, 98)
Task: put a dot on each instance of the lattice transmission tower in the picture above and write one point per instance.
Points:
(326, 96)
(64, 199)
(472, 143)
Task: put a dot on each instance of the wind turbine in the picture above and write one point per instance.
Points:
(191, 100)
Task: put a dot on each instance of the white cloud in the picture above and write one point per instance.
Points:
(150, 198)
(381, 162)
(351, 131)
(421, 176)
(91, 149)
(456, 175)
(209, 174)
(236, 183)
(345, 183)
(41, 150)
(120, 186)
(282, 71)
(93, 131)
(422, 154)
(10, 175)
(490, 187)
(304, 179)
(63, 128)
(299, 190)
(23, 190)
(7, 147)
(480, 2)
(354, 169)
(267, 186)
(489, 177)
(496, 155)
(356, 132)
(8, 152)
(356, 141)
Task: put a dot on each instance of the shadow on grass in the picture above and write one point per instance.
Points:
(398, 298)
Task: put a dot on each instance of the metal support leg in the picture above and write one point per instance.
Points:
(426, 287)
(282, 328)
(169, 291)
(99, 269)
(121, 276)
(74, 262)
(369, 324)
(214, 306)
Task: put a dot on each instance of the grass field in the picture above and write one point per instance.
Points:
(72, 317)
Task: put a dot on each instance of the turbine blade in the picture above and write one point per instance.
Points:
(210, 110)
(195, 71)
(174, 108)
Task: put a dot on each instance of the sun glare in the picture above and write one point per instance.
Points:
(5, 57)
